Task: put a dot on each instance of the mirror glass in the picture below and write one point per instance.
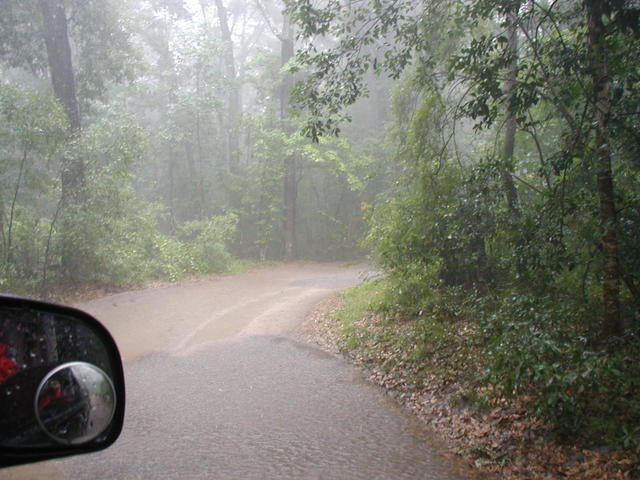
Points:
(36, 346)
(75, 403)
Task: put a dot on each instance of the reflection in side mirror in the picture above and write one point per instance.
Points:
(61, 382)
(75, 403)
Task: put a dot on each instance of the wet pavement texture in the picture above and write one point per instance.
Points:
(218, 389)
(259, 408)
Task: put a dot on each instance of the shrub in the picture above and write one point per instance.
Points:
(538, 348)
(207, 242)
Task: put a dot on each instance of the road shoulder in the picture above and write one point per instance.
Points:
(498, 442)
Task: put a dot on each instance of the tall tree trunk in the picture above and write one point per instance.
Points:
(234, 104)
(171, 169)
(167, 64)
(290, 200)
(511, 123)
(290, 167)
(59, 57)
(58, 48)
(612, 324)
(64, 87)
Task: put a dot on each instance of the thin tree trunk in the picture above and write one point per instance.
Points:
(511, 123)
(13, 206)
(290, 213)
(2, 220)
(167, 64)
(290, 167)
(172, 188)
(234, 112)
(45, 266)
(612, 324)
(201, 172)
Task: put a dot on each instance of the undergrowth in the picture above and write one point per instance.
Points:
(508, 349)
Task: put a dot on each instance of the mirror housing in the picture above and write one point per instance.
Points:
(61, 382)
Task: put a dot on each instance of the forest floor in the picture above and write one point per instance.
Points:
(497, 440)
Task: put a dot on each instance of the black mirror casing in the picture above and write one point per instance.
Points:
(60, 371)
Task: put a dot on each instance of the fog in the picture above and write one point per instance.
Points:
(158, 140)
(483, 154)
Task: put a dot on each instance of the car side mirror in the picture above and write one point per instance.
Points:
(61, 382)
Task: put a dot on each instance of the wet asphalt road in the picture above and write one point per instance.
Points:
(230, 396)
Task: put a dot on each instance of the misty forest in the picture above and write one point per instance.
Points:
(484, 154)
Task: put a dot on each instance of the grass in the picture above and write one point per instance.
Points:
(421, 344)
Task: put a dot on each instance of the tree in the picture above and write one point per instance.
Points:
(290, 181)
(601, 85)
(520, 61)
(510, 122)
(234, 101)
(51, 32)
(56, 37)
(290, 163)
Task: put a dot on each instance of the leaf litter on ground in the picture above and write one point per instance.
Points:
(498, 439)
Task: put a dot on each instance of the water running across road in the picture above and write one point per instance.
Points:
(216, 390)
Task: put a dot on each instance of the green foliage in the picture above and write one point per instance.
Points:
(104, 51)
(357, 335)
(433, 229)
(96, 230)
(174, 259)
(21, 272)
(523, 347)
(435, 341)
(32, 131)
(129, 249)
(160, 179)
(114, 234)
(102, 34)
(333, 176)
(18, 45)
(538, 348)
(381, 36)
(208, 242)
(31, 121)
(520, 233)
(333, 190)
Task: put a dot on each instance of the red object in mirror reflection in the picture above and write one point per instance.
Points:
(8, 367)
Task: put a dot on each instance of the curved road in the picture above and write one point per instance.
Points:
(218, 389)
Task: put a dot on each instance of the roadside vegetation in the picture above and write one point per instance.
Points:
(508, 241)
(523, 403)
